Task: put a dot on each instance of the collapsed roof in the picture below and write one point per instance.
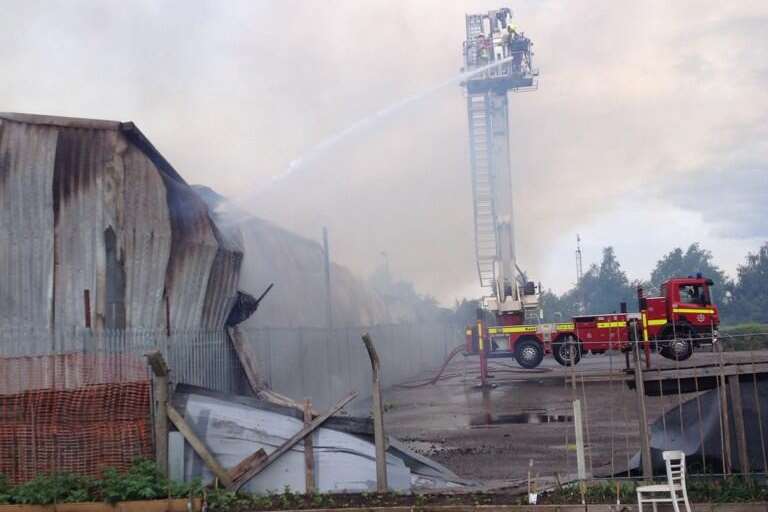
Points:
(91, 212)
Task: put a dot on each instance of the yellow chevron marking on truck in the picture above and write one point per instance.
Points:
(607, 325)
(480, 342)
(645, 325)
(695, 311)
(658, 321)
(512, 329)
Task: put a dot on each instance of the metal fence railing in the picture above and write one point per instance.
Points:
(712, 406)
(202, 358)
(324, 365)
(317, 363)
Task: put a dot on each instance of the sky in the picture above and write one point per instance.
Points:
(648, 131)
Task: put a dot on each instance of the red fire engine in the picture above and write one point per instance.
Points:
(682, 318)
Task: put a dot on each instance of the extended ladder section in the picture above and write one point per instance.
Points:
(486, 244)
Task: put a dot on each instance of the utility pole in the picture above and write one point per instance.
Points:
(327, 269)
(579, 266)
(579, 275)
(386, 267)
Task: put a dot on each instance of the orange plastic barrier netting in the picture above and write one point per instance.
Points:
(70, 417)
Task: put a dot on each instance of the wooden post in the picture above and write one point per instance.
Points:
(309, 452)
(738, 420)
(160, 393)
(642, 414)
(378, 417)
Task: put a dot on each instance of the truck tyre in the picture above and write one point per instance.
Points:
(677, 344)
(567, 350)
(529, 353)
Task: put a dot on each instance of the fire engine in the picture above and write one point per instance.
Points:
(682, 318)
(498, 58)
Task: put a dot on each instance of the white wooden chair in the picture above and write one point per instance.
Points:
(675, 486)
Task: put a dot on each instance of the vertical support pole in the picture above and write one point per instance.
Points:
(481, 350)
(167, 316)
(378, 417)
(160, 393)
(87, 307)
(642, 416)
(309, 452)
(646, 342)
(738, 421)
(579, 427)
(724, 415)
(327, 271)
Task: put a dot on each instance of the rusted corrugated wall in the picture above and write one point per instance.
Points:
(92, 205)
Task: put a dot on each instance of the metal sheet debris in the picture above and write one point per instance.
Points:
(235, 427)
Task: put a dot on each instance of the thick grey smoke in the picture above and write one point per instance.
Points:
(637, 100)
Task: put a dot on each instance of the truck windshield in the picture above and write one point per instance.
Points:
(694, 294)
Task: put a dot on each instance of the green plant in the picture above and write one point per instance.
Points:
(5, 490)
(48, 489)
(142, 481)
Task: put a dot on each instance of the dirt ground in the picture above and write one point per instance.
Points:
(492, 435)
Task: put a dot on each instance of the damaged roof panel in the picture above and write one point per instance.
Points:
(92, 205)
(26, 223)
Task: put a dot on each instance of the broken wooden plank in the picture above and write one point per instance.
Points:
(254, 458)
(197, 444)
(290, 443)
(248, 361)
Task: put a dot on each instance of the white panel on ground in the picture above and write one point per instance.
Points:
(232, 431)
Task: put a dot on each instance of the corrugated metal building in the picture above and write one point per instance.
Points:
(92, 205)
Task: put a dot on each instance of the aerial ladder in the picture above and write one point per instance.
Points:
(498, 58)
(503, 55)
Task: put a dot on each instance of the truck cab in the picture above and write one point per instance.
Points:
(683, 317)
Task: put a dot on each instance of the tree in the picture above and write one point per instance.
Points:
(604, 287)
(552, 306)
(465, 312)
(750, 292)
(691, 262)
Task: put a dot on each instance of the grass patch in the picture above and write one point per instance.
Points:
(700, 490)
(744, 337)
(143, 481)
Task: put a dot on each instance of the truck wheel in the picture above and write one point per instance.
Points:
(678, 344)
(529, 353)
(567, 350)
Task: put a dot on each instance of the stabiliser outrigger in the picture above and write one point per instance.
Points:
(682, 318)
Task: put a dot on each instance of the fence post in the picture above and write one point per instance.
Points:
(738, 420)
(160, 392)
(724, 416)
(309, 452)
(378, 418)
(642, 413)
(579, 427)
